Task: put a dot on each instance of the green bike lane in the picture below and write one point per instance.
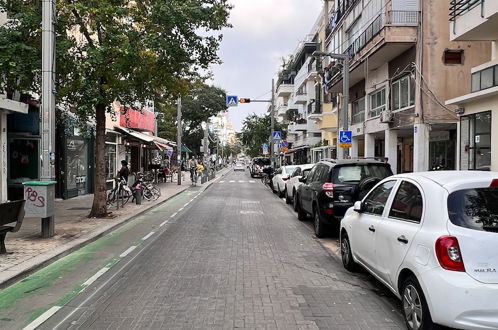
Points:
(27, 302)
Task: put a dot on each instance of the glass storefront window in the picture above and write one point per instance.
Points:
(23, 160)
(77, 165)
(110, 161)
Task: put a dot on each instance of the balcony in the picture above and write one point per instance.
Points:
(385, 38)
(314, 69)
(284, 90)
(300, 98)
(282, 109)
(473, 20)
(314, 111)
(301, 125)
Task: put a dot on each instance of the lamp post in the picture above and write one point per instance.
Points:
(345, 83)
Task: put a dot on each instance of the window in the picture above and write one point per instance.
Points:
(110, 161)
(376, 201)
(311, 174)
(296, 172)
(475, 143)
(484, 79)
(356, 173)
(476, 82)
(324, 174)
(407, 203)
(377, 103)
(487, 80)
(358, 111)
(453, 57)
(475, 209)
(403, 93)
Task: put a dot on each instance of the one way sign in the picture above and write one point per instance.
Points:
(232, 101)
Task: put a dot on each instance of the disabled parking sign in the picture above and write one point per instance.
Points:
(345, 139)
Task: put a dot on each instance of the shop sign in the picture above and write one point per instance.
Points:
(143, 120)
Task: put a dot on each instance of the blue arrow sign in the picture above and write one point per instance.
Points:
(285, 144)
(277, 135)
(232, 101)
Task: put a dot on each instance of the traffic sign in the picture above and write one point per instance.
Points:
(285, 144)
(277, 135)
(345, 139)
(169, 153)
(265, 146)
(232, 101)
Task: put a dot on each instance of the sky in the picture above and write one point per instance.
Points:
(263, 32)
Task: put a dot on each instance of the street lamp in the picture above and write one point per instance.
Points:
(345, 83)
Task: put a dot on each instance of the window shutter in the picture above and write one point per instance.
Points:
(406, 5)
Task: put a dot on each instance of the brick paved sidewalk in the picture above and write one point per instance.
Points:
(28, 251)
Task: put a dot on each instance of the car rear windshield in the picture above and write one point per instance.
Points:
(358, 172)
(474, 209)
(261, 161)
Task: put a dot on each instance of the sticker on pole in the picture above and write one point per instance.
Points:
(345, 139)
(277, 135)
(232, 101)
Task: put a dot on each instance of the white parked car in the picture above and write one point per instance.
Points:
(432, 239)
(280, 177)
(293, 182)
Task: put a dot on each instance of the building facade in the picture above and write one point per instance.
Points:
(402, 68)
(476, 21)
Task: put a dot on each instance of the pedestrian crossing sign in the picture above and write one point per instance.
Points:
(277, 135)
(232, 101)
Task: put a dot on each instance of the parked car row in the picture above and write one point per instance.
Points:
(430, 237)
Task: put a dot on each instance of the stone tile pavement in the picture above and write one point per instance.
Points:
(28, 251)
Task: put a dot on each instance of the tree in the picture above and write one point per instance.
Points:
(256, 131)
(112, 50)
(202, 102)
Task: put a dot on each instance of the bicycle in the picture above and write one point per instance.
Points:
(120, 194)
(149, 190)
(193, 176)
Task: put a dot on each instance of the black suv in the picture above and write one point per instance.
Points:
(259, 165)
(333, 186)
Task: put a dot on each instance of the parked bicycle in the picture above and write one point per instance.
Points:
(149, 190)
(120, 194)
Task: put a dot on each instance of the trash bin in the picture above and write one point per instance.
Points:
(138, 196)
(40, 203)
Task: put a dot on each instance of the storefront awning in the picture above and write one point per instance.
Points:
(296, 149)
(186, 149)
(139, 136)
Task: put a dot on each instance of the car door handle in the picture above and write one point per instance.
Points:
(403, 239)
(372, 229)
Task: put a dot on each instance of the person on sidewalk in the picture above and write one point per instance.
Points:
(200, 170)
(124, 172)
(192, 165)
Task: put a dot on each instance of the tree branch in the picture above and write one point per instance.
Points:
(83, 27)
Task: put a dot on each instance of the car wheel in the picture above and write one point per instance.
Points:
(301, 214)
(318, 225)
(280, 193)
(273, 188)
(294, 201)
(416, 311)
(287, 198)
(252, 175)
(347, 254)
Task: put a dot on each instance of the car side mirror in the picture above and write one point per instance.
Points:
(358, 207)
(302, 179)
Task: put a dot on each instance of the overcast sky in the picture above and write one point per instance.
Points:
(263, 32)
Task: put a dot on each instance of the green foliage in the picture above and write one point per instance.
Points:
(256, 132)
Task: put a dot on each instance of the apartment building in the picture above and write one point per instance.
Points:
(477, 20)
(402, 68)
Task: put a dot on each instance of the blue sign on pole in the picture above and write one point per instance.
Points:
(277, 135)
(265, 146)
(232, 101)
(285, 144)
(345, 139)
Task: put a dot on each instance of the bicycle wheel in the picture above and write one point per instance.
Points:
(156, 193)
(111, 197)
(125, 195)
(147, 194)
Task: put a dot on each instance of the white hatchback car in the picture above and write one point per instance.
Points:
(431, 238)
(293, 182)
(280, 177)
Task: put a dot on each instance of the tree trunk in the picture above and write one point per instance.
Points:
(99, 207)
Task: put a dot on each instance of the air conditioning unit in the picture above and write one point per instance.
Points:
(386, 116)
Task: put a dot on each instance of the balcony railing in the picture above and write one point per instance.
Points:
(314, 108)
(403, 17)
(370, 32)
(314, 65)
(460, 7)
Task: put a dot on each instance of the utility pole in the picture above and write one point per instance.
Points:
(48, 92)
(179, 139)
(272, 115)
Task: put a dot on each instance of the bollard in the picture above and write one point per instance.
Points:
(138, 196)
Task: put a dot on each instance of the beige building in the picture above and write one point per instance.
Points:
(403, 67)
(477, 20)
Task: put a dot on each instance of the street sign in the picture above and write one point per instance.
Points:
(285, 144)
(265, 146)
(345, 139)
(232, 101)
(277, 135)
(169, 153)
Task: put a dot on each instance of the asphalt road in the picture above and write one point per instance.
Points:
(234, 256)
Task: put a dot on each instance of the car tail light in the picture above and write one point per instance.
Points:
(329, 211)
(494, 183)
(448, 253)
(328, 189)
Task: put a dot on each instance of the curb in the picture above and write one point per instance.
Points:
(33, 268)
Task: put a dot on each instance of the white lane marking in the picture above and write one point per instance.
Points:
(174, 215)
(147, 236)
(164, 222)
(222, 181)
(252, 181)
(127, 252)
(241, 181)
(96, 276)
(181, 209)
(186, 204)
(232, 181)
(42, 318)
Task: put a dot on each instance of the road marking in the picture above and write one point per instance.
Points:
(252, 181)
(164, 222)
(42, 318)
(232, 181)
(186, 204)
(241, 181)
(147, 236)
(181, 209)
(222, 181)
(244, 212)
(127, 252)
(96, 276)
(174, 215)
